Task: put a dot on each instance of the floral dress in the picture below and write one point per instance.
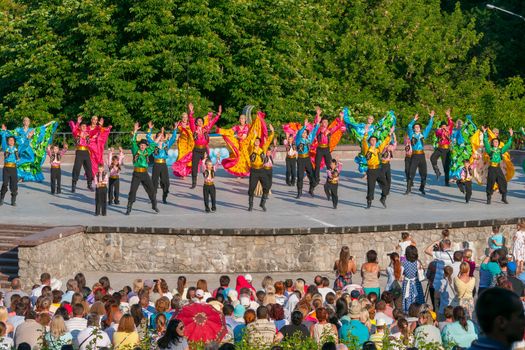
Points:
(518, 250)
(412, 288)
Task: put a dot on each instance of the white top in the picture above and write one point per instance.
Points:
(403, 245)
(6, 343)
(325, 290)
(446, 257)
(86, 338)
(76, 323)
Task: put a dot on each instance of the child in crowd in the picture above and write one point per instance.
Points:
(291, 160)
(467, 257)
(332, 181)
(101, 193)
(55, 157)
(406, 240)
(115, 167)
(465, 181)
(208, 189)
(496, 240)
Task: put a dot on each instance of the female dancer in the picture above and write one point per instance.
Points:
(182, 166)
(495, 174)
(257, 171)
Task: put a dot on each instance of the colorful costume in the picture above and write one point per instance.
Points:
(114, 177)
(408, 156)
(303, 160)
(291, 162)
(99, 136)
(160, 169)
(185, 143)
(258, 173)
(462, 148)
(201, 136)
(82, 154)
(373, 172)
(418, 160)
(386, 156)
(444, 141)
(238, 140)
(29, 167)
(332, 184)
(208, 189)
(101, 193)
(325, 142)
(465, 182)
(11, 160)
(495, 174)
(56, 173)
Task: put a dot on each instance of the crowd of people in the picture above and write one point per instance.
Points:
(353, 310)
(468, 154)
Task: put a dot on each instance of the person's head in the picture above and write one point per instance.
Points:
(445, 243)
(460, 316)
(458, 256)
(249, 316)
(304, 135)
(262, 313)
(370, 120)
(405, 235)
(425, 318)
(224, 281)
(372, 297)
(100, 168)
(333, 164)
(467, 254)
(72, 285)
(174, 333)
(98, 308)
(495, 229)
(162, 304)
(209, 164)
(277, 313)
(26, 122)
(93, 319)
(466, 163)
(78, 310)
(494, 256)
(330, 298)
(3, 329)
(464, 268)
(417, 128)
(143, 144)
(144, 298)
(495, 142)
(413, 310)
(11, 140)
(371, 256)
(297, 318)
(279, 288)
(200, 122)
(83, 127)
(126, 324)
(228, 309)
(161, 136)
(138, 284)
(57, 327)
(318, 280)
(321, 314)
(445, 233)
(81, 280)
(184, 117)
(448, 271)
(242, 119)
(94, 120)
(411, 253)
(381, 306)
(202, 284)
(45, 279)
(160, 323)
(443, 125)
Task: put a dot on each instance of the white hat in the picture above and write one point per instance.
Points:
(248, 277)
(380, 322)
(134, 300)
(199, 293)
(245, 301)
(232, 294)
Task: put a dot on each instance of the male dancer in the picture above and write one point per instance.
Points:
(201, 136)
(11, 157)
(141, 153)
(257, 171)
(465, 180)
(332, 182)
(386, 156)
(418, 160)
(323, 143)
(303, 141)
(444, 136)
(495, 174)
(291, 160)
(82, 160)
(373, 173)
(160, 154)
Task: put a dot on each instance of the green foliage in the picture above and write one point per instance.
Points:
(142, 60)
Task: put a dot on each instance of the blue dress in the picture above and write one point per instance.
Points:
(412, 289)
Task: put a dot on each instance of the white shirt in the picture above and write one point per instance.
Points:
(381, 316)
(76, 323)
(85, 338)
(455, 269)
(445, 256)
(325, 290)
(6, 343)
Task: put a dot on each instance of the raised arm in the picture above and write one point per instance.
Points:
(508, 145)
(364, 143)
(3, 133)
(172, 139)
(428, 129)
(269, 139)
(134, 146)
(110, 156)
(212, 122)
(298, 136)
(191, 119)
(312, 135)
(486, 141)
(410, 128)
(385, 143)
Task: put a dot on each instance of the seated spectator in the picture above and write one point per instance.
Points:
(58, 334)
(76, 323)
(240, 331)
(323, 331)
(324, 289)
(461, 332)
(28, 331)
(448, 314)
(351, 326)
(261, 332)
(380, 313)
(488, 271)
(296, 329)
(126, 336)
(517, 284)
(71, 288)
(403, 337)
(92, 336)
(174, 338)
(277, 315)
(426, 333)
(16, 289)
(379, 334)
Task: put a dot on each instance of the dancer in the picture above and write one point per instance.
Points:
(182, 166)
(444, 136)
(82, 159)
(322, 146)
(358, 130)
(115, 167)
(268, 166)
(257, 172)
(418, 161)
(303, 141)
(291, 160)
(29, 166)
(208, 189)
(462, 147)
(386, 156)
(55, 158)
(372, 153)
(141, 152)
(495, 174)
(99, 136)
(408, 156)
(11, 158)
(465, 180)
(201, 136)
(332, 182)
(101, 193)
(160, 154)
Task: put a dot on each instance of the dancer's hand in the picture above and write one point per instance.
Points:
(416, 117)
(511, 132)
(65, 146)
(79, 118)
(219, 112)
(190, 107)
(120, 149)
(366, 128)
(318, 110)
(432, 114)
(4, 128)
(271, 128)
(111, 149)
(136, 127)
(341, 115)
(392, 129)
(448, 113)
(150, 124)
(305, 121)
(484, 128)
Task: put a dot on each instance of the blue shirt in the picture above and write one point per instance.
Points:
(418, 138)
(11, 152)
(353, 329)
(162, 153)
(485, 343)
(496, 241)
(303, 145)
(454, 333)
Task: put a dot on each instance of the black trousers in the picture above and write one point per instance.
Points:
(56, 177)
(208, 192)
(10, 178)
(495, 175)
(418, 162)
(269, 179)
(407, 168)
(322, 153)
(331, 191)
(304, 164)
(82, 160)
(256, 176)
(160, 172)
(291, 171)
(466, 187)
(143, 178)
(373, 176)
(114, 189)
(196, 158)
(387, 174)
(444, 154)
(101, 203)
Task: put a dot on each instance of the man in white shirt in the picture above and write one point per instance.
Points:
(92, 337)
(380, 313)
(444, 252)
(45, 280)
(76, 323)
(16, 288)
(325, 289)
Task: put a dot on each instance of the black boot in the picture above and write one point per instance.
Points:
(504, 198)
(311, 190)
(383, 201)
(207, 208)
(368, 204)
(128, 210)
(422, 190)
(154, 207)
(90, 187)
(263, 202)
(438, 173)
(2, 199)
(13, 200)
(327, 194)
(250, 203)
(409, 188)
(73, 186)
(193, 183)
(165, 197)
(299, 193)
(489, 196)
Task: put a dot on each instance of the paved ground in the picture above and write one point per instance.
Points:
(186, 210)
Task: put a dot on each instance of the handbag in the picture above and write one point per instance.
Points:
(420, 272)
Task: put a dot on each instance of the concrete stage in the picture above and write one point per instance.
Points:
(36, 206)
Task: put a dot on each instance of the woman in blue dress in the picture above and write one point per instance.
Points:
(412, 288)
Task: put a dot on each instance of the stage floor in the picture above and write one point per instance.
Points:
(36, 206)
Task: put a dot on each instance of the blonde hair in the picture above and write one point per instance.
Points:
(138, 284)
(267, 281)
(3, 314)
(467, 253)
(364, 317)
(57, 327)
(464, 268)
(299, 287)
(427, 316)
(269, 298)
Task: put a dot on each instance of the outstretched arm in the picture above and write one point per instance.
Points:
(428, 129)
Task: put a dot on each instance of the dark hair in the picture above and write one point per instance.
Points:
(171, 335)
(104, 281)
(334, 161)
(297, 318)
(78, 309)
(370, 345)
(460, 316)
(413, 310)
(23, 346)
(387, 297)
(449, 311)
(288, 283)
(262, 312)
(411, 253)
(326, 282)
(181, 283)
(495, 228)
(458, 255)
(371, 256)
(277, 312)
(45, 277)
(495, 302)
(81, 280)
(322, 314)
(329, 346)
(227, 310)
(224, 280)
(136, 312)
(227, 346)
(341, 308)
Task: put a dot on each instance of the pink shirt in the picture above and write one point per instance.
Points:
(444, 135)
(101, 179)
(241, 130)
(201, 134)
(115, 170)
(323, 134)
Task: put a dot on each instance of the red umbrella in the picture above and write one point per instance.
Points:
(202, 323)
